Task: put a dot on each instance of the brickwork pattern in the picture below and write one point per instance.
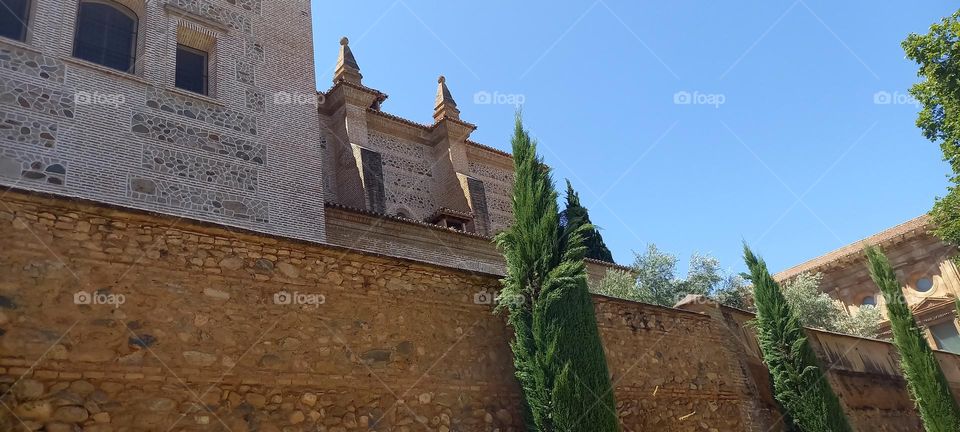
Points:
(498, 185)
(234, 157)
(407, 175)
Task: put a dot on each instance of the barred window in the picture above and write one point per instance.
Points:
(192, 69)
(106, 35)
(13, 19)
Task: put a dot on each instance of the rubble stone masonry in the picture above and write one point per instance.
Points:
(114, 319)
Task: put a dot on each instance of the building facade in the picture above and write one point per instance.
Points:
(169, 106)
(208, 109)
(923, 263)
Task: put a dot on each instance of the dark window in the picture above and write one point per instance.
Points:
(946, 336)
(191, 69)
(106, 35)
(13, 18)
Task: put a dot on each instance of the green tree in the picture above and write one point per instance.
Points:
(652, 279)
(817, 309)
(619, 284)
(938, 93)
(927, 384)
(799, 383)
(576, 216)
(558, 356)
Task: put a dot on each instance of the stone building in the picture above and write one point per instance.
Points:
(208, 109)
(195, 239)
(923, 263)
(166, 106)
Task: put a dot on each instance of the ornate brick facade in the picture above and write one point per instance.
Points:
(238, 157)
(425, 169)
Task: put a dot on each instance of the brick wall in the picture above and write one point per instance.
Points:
(247, 155)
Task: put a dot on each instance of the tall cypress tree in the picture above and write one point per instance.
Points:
(928, 386)
(799, 383)
(558, 355)
(576, 216)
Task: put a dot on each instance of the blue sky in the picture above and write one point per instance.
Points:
(690, 124)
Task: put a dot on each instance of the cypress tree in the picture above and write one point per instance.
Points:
(927, 384)
(558, 355)
(800, 385)
(576, 216)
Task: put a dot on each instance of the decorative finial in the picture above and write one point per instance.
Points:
(446, 106)
(347, 68)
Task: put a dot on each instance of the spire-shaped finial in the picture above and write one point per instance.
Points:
(347, 67)
(445, 106)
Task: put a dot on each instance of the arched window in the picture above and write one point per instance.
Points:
(106, 35)
(13, 19)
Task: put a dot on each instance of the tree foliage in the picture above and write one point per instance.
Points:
(800, 385)
(576, 216)
(558, 356)
(927, 384)
(938, 55)
(653, 279)
(817, 309)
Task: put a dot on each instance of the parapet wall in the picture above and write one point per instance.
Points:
(125, 320)
(865, 373)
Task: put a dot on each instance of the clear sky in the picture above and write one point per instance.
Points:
(690, 124)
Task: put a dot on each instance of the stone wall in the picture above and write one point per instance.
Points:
(124, 320)
(673, 370)
(865, 373)
(244, 155)
(143, 322)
